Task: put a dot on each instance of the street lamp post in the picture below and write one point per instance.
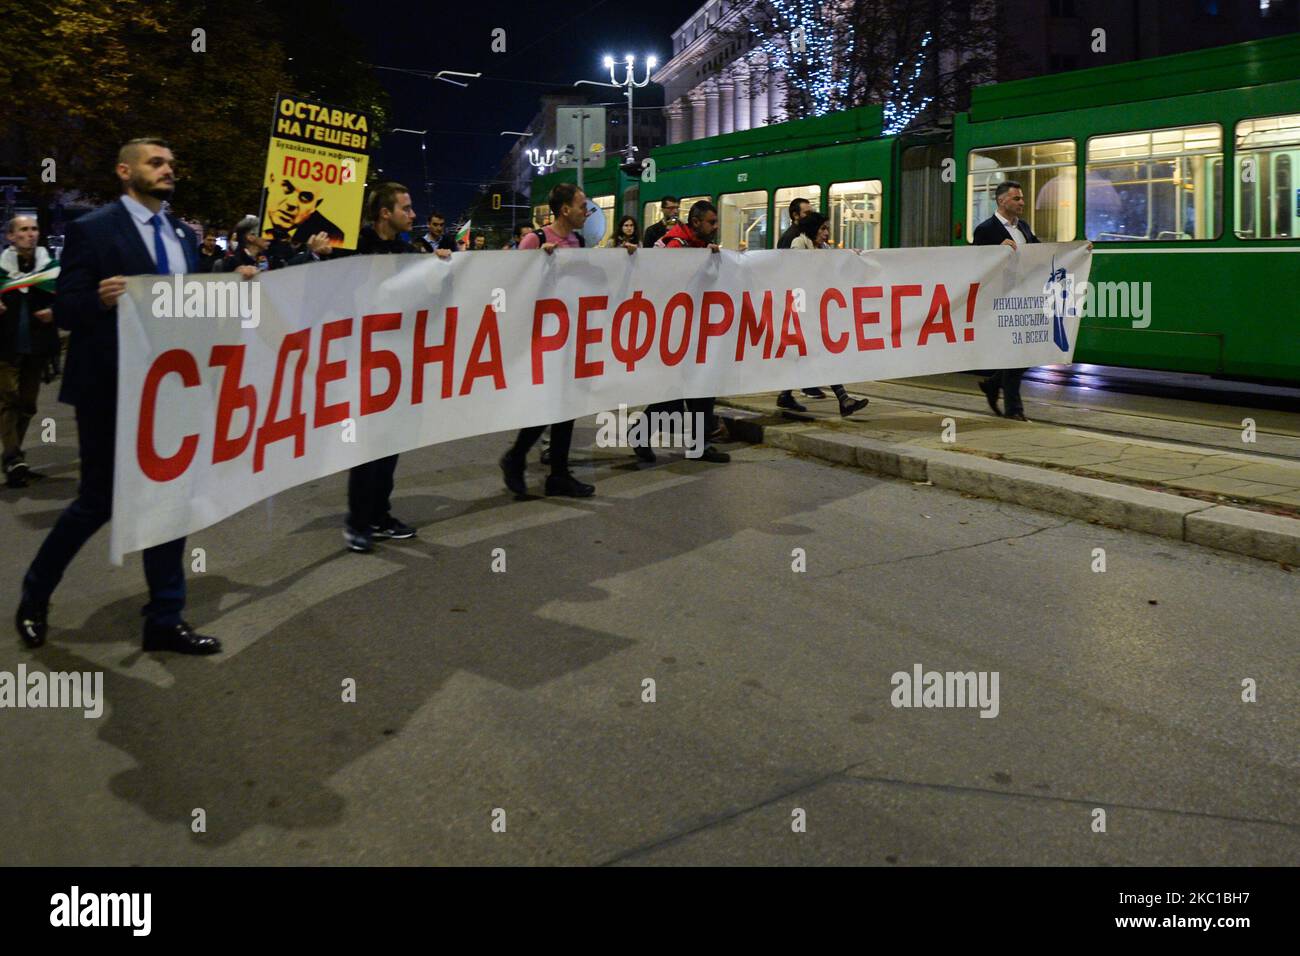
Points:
(629, 84)
(424, 160)
(532, 159)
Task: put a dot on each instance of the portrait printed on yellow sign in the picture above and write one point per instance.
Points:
(316, 168)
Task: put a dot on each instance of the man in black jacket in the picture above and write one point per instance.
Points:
(437, 236)
(669, 207)
(798, 209)
(1006, 228)
(370, 486)
(133, 236)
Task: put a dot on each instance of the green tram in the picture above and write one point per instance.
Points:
(1188, 274)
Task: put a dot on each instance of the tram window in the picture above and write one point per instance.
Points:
(788, 194)
(1046, 173)
(1267, 152)
(688, 202)
(1155, 185)
(855, 214)
(606, 204)
(649, 215)
(742, 218)
(541, 215)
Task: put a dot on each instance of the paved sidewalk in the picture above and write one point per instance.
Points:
(1259, 482)
(1191, 488)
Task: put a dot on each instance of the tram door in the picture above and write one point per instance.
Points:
(925, 200)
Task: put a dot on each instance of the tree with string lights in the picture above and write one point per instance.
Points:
(918, 59)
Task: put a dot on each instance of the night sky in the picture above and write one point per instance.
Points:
(546, 47)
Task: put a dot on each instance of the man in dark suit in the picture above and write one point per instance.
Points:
(133, 236)
(1006, 228)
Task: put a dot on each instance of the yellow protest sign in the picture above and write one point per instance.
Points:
(316, 167)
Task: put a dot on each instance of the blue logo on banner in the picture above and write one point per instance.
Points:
(1059, 304)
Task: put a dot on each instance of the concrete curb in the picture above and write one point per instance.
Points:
(1257, 535)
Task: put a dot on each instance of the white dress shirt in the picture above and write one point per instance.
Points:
(1015, 232)
(140, 213)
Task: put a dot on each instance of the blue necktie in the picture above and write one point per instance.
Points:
(159, 249)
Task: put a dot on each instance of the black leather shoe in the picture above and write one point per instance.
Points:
(180, 638)
(512, 470)
(645, 453)
(712, 454)
(1017, 417)
(787, 400)
(31, 622)
(814, 393)
(852, 405)
(991, 393)
(568, 486)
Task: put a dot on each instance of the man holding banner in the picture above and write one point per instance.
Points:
(133, 236)
(370, 486)
(27, 338)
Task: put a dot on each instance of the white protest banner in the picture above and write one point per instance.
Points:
(337, 363)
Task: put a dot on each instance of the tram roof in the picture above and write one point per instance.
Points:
(862, 122)
(1200, 71)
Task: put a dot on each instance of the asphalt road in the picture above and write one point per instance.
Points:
(523, 691)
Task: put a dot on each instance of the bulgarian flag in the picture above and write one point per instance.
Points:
(463, 233)
(44, 280)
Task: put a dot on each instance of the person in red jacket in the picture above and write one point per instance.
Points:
(697, 232)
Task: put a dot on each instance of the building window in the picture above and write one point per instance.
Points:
(855, 214)
(1268, 199)
(1046, 173)
(1156, 185)
(742, 220)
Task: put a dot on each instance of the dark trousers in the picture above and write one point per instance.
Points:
(163, 567)
(702, 406)
(370, 488)
(561, 439)
(1008, 380)
(20, 384)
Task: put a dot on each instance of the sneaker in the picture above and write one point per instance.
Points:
(17, 474)
(847, 408)
(787, 400)
(568, 486)
(358, 541)
(712, 454)
(391, 529)
(645, 453)
(512, 471)
(814, 392)
(31, 622)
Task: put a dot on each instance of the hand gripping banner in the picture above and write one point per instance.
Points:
(232, 390)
